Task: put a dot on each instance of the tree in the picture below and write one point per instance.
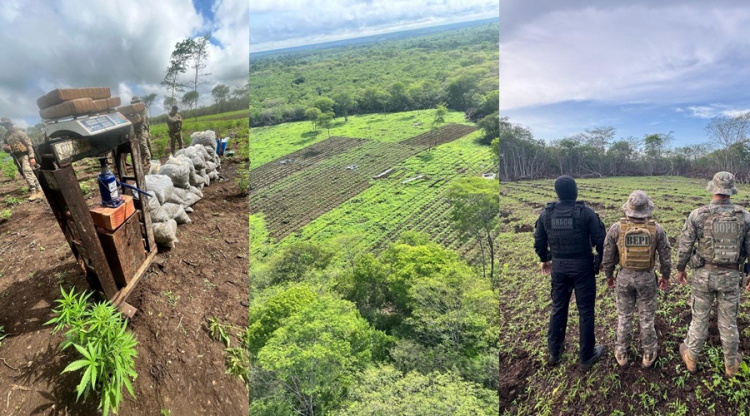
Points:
(491, 126)
(317, 352)
(168, 103)
(313, 114)
(399, 98)
(189, 99)
(325, 120)
(728, 133)
(413, 393)
(476, 209)
(345, 102)
(198, 56)
(374, 99)
(177, 65)
(220, 94)
(324, 104)
(148, 100)
(460, 92)
(424, 94)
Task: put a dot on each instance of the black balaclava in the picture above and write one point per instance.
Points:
(566, 188)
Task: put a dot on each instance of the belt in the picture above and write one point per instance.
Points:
(713, 266)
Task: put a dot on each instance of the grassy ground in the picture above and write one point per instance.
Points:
(222, 123)
(273, 142)
(528, 386)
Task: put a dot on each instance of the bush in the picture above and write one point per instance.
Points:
(99, 333)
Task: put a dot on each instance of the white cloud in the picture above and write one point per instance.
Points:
(122, 44)
(278, 24)
(611, 52)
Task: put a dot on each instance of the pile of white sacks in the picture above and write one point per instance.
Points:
(177, 185)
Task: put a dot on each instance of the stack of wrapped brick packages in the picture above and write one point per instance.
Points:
(68, 102)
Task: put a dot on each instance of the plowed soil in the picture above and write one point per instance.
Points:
(180, 368)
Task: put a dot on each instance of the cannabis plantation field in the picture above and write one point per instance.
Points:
(328, 189)
(528, 386)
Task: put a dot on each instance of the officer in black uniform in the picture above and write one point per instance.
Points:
(565, 233)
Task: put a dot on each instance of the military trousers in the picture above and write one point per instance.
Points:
(175, 140)
(570, 275)
(24, 168)
(144, 143)
(636, 290)
(723, 286)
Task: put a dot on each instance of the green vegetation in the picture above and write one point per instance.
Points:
(667, 388)
(99, 334)
(223, 124)
(351, 309)
(455, 67)
(8, 166)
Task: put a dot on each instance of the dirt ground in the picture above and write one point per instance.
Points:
(180, 368)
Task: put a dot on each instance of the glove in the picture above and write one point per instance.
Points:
(597, 263)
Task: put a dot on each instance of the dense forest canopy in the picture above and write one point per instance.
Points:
(458, 68)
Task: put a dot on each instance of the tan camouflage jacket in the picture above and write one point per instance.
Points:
(17, 141)
(612, 255)
(174, 122)
(692, 231)
(143, 125)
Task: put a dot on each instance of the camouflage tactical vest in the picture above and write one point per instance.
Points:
(16, 146)
(566, 234)
(723, 233)
(637, 244)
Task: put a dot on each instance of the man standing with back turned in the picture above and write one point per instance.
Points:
(174, 123)
(720, 232)
(633, 243)
(570, 229)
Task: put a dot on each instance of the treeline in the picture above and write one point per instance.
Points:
(597, 152)
(224, 101)
(457, 68)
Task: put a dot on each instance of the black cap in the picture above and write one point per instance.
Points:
(566, 188)
(174, 108)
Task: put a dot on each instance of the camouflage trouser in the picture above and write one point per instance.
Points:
(636, 288)
(144, 142)
(724, 286)
(175, 139)
(24, 167)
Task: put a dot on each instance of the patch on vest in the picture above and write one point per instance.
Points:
(638, 240)
(562, 223)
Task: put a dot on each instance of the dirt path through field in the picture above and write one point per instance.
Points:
(180, 368)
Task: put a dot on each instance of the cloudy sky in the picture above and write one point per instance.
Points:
(640, 66)
(121, 44)
(276, 24)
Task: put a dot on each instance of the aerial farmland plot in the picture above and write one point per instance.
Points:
(528, 386)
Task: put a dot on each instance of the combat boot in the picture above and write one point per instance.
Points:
(622, 357)
(731, 369)
(598, 352)
(648, 359)
(688, 358)
(36, 195)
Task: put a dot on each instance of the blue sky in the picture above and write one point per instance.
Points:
(121, 44)
(641, 67)
(276, 24)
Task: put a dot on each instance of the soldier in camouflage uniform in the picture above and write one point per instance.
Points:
(633, 243)
(174, 123)
(142, 132)
(17, 143)
(720, 233)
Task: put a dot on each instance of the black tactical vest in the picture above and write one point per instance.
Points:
(566, 234)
